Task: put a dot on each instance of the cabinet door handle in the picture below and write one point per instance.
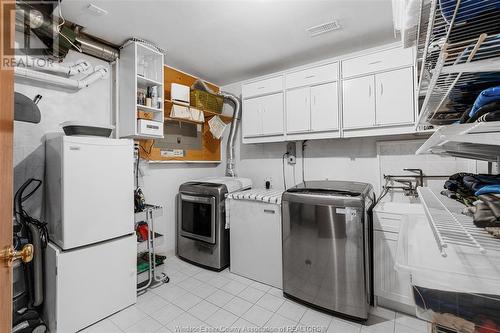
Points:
(261, 87)
(370, 90)
(375, 62)
(310, 76)
(381, 88)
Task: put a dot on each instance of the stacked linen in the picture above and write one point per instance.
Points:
(481, 195)
(486, 107)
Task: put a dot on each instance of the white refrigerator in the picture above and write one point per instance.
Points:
(90, 263)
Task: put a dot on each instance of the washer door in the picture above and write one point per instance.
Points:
(197, 220)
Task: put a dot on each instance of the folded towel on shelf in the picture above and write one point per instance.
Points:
(485, 97)
(484, 217)
(459, 196)
(492, 116)
(476, 182)
(454, 182)
(495, 231)
(493, 202)
(485, 109)
(465, 116)
(495, 188)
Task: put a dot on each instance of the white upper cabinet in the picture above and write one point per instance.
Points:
(263, 87)
(359, 102)
(377, 62)
(378, 98)
(252, 117)
(263, 116)
(324, 107)
(312, 102)
(394, 100)
(272, 114)
(298, 110)
(313, 76)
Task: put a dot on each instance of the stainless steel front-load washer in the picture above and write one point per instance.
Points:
(202, 237)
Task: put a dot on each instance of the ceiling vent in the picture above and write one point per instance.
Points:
(323, 28)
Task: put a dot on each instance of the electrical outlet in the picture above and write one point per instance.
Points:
(291, 149)
(270, 180)
(291, 152)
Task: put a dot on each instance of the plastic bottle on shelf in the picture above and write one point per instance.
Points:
(154, 96)
(148, 97)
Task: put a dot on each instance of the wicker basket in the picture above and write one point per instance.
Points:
(206, 101)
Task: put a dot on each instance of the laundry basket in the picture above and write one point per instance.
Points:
(207, 101)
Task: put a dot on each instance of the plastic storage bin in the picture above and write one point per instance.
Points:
(465, 284)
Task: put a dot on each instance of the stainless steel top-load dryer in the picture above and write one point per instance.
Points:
(327, 246)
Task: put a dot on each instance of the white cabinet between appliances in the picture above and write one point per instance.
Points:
(254, 218)
(379, 100)
(263, 116)
(312, 109)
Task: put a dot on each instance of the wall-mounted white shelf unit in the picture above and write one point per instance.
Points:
(458, 51)
(450, 226)
(480, 141)
(140, 69)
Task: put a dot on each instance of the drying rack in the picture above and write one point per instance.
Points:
(450, 226)
(456, 52)
(153, 278)
(479, 141)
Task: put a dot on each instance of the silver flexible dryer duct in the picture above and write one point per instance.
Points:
(231, 141)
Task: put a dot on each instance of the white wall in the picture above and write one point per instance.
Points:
(161, 184)
(56, 106)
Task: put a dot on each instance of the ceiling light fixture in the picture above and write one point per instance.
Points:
(324, 28)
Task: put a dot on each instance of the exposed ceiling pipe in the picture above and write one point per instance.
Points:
(99, 73)
(81, 66)
(91, 46)
(45, 27)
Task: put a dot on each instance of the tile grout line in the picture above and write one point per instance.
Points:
(233, 296)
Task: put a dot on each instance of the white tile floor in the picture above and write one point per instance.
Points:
(198, 298)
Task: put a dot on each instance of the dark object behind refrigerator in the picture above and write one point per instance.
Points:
(87, 130)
